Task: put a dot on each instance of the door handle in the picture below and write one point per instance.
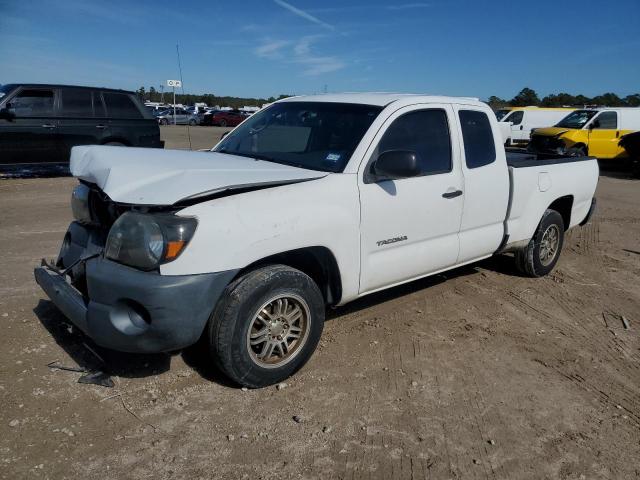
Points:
(521, 127)
(101, 127)
(48, 125)
(454, 194)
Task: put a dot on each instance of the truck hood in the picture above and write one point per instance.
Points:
(149, 176)
(551, 131)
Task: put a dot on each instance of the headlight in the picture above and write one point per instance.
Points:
(146, 241)
(80, 203)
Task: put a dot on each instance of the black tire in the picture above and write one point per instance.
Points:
(192, 122)
(237, 313)
(223, 123)
(164, 121)
(531, 260)
(578, 151)
(116, 144)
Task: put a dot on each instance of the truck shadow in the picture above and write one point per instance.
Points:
(503, 264)
(86, 354)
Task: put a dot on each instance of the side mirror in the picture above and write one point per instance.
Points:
(7, 114)
(224, 134)
(394, 165)
(594, 124)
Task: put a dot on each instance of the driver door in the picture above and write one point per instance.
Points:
(410, 227)
(30, 135)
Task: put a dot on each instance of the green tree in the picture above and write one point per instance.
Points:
(559, 100)
(496, 102)
(141, 93)
(526, 97)
(152, 94)
(608, 99)
(632, 100)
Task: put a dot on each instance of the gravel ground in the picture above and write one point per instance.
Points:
(479, 373)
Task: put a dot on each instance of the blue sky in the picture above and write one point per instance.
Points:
(267, 47)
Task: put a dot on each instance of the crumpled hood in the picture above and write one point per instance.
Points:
(150, 176)
(551, 131)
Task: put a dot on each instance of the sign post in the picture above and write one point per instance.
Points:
(173, 84)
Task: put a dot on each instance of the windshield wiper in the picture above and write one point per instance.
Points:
(255, 156)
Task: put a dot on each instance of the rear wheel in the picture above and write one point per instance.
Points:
(542, 252)
(266, 325)
(192, 122)
(164, 121)
(223, 123)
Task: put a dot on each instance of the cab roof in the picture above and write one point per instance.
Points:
(382, 99)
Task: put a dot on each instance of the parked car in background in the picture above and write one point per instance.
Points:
(631, 143)
(311, 203)
(40, 123)
(503, 112)
(182, 117)
(207, 117)
(227, 118)
(523, 119)
(594, 132)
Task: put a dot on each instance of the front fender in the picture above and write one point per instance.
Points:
(241, 229)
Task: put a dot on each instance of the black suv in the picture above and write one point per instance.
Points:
(40, 123)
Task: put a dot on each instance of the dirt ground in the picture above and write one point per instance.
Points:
(479, 373)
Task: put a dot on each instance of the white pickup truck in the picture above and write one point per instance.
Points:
(312, 202)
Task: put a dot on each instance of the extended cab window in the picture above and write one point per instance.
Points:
(32, 103)
(606, 121)
(119, 105)
(77, 102)
(425, 132)
(515, 117)
(479, 145)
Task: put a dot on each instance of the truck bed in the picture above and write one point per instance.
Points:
(523, 160)
(537, 182)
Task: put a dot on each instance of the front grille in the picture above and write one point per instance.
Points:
(104, 211)
(545, 144)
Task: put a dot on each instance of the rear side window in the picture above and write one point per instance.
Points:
(425, 132)
(77, 102)
(606, 121)
(120, 105)
(515, 117)
(32, 103)
(479, 145)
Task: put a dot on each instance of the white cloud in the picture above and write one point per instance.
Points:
(303, 14)
(300, 53)
(271, 49)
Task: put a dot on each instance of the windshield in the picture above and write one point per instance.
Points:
(5, 89)
(313, 135)
(500, 114)
(577, 119)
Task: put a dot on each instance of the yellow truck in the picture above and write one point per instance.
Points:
(593, 132)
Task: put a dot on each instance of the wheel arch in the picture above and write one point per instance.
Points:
(121, 140)
(563, 206)
(317, 262)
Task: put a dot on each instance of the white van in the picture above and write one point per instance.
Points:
(523, 119)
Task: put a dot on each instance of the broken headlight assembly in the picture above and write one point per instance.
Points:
(146, 241)
(80, 203)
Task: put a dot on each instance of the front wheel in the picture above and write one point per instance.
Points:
(542, 252)
(223, 123)
(578, 151)
(192, 122)
(164, 121)
(266, 325)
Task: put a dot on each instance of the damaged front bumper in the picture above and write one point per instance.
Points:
(125, 309)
